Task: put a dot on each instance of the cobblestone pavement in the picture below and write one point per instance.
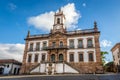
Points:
(64, 77)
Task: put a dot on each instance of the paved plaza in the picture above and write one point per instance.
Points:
(64, 77)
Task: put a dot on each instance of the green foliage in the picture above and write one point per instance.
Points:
(103, 53)
(109, 67)
(109, 63)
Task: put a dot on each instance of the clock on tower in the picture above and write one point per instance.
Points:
(59, 19)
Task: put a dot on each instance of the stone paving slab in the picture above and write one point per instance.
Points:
(64, 77)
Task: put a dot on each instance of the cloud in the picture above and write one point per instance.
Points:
(105, 43)
(12, 6)
(11, 51)
(84, 4)
(45, 21)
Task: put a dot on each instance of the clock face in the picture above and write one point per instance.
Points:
(57, 27)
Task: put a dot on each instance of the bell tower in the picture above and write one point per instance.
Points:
(59, 20)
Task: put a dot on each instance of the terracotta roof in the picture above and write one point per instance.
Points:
(115, 46)
(3, 61)
(85, 31)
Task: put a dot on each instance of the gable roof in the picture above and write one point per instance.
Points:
(3, 61)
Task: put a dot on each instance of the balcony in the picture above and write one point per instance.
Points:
(80, 46)
(54, 47)
(30, 50)
(71, 47)
(90, 46)
(34, 49)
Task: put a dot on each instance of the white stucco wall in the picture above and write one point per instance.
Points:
(39, 55)
(15, 66)
(34, 43)
(85, 50)
(84, 40)
(10, 69)
(37, 52)
(85, 54)
(7, 69)
(59, 68)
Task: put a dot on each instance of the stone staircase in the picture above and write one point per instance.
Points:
(74, 67)
(34, 66)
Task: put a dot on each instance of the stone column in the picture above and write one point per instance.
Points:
(23, 68)
(97, 49)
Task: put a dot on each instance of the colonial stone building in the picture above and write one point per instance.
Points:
(63, 51)
(116, 57)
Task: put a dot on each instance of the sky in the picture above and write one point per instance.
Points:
(19, 16)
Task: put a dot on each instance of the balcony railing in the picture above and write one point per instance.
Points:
(80, 46)
(34, 49)
(54, 47)
(90, 46)
(81, 31)
(71, 47)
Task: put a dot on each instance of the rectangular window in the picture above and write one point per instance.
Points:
(118, 55)
(53, 44)
(31, 46)
(80, 43)
(90, 44)
(90, 56)
(80, 57)
(61, 44)
(71, 44)
(71, 57)
(37, 46)
(44, 44)
(113, 58)
(43, 57)
(29, 58)
(36, 58)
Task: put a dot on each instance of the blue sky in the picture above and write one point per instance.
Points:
(15, 14)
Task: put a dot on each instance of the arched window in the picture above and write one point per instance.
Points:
(53, 57)
(60, 57)
(61, 44)
(90, 56)
(90, 43)
(58, 20)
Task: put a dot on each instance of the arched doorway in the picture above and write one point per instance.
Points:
(53, 57)
(60, 57)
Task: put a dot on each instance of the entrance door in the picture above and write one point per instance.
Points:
(1, 70)
(60, 57)
(53, 57)
(14, 71)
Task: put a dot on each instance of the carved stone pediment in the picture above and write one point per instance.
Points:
(57, 35)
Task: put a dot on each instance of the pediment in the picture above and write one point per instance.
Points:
(57, 35)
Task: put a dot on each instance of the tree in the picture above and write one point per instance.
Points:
(103, 53)
(109, 67)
